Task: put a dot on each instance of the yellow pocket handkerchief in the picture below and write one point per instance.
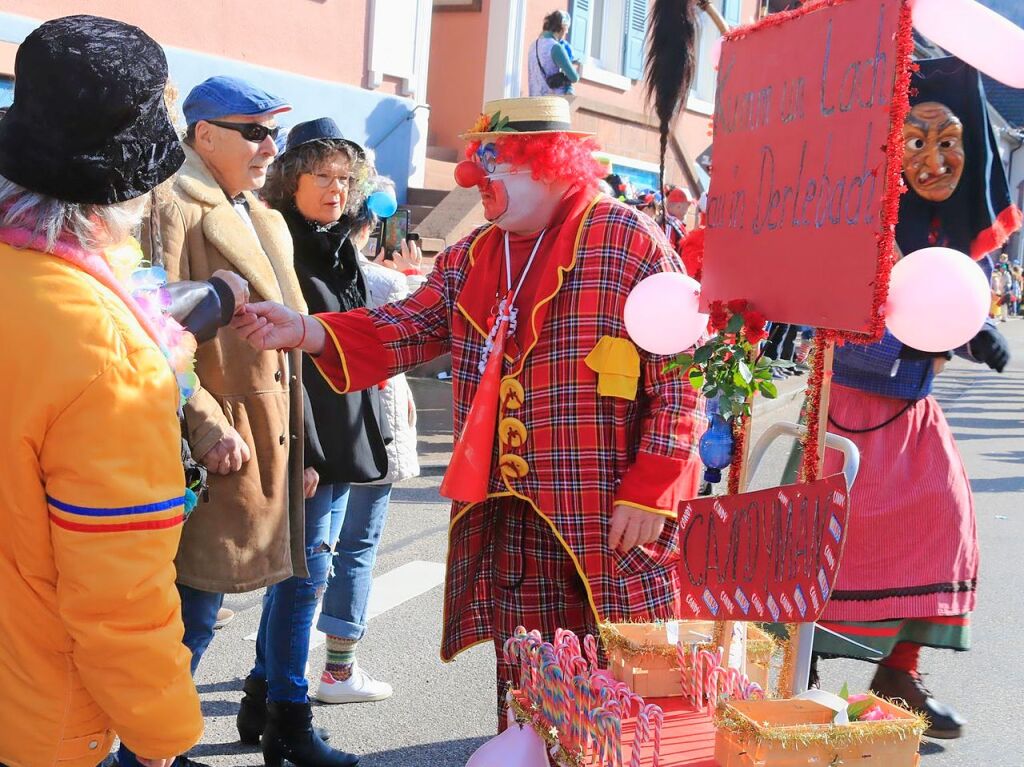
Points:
(617, 364)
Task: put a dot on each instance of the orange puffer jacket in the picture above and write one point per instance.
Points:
(90, 517)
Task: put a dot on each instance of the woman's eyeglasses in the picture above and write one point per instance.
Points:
(324, 180)
(253, 132)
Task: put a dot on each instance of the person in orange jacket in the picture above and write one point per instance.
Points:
(94, 495)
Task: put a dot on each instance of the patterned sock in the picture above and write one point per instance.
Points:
(903, 657)
(341, 654)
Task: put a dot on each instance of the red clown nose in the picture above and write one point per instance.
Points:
(468, 174)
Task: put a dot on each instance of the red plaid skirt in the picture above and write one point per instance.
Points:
(521, 575)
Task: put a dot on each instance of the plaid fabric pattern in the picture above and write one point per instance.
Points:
(578, 445)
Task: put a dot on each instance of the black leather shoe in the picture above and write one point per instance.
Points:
(252, 713)
(289, 735)
(944, 721)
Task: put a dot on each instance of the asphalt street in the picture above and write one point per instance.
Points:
(441, 712)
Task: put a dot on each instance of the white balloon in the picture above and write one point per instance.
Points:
(662, 314)
(987, 41)
(938, 299)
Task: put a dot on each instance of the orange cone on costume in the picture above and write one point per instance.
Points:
(469, 470)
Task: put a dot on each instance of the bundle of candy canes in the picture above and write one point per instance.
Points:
(704, 680)
(582, 707)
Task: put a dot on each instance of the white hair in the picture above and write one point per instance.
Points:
(93, 226)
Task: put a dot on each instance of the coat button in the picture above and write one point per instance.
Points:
(511, 394)
(295, 378)
(282, 440)
(512, 432)
(513, 467)
(93, 745)
(277, 375)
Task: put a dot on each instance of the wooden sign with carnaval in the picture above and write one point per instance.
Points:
(770, 555)
(795, 211)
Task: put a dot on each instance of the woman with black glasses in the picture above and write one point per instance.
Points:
(313, 184)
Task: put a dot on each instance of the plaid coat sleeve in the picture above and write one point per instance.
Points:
(367, 346)
(666, 469)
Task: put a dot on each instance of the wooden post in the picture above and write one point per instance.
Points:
(714, 14)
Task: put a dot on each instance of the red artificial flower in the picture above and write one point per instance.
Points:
(753, 321)
(738, 305)
(755, 336)
(719, 319)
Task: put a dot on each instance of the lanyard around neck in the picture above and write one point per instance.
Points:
(511, 295)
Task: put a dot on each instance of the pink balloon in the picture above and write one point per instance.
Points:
(981, 37)
(516, 747)
(662, 314)
(938, 299)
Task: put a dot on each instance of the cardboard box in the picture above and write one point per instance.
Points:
(800, 733)
(642, 656)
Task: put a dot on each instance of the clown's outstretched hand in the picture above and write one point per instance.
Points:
(269, 325)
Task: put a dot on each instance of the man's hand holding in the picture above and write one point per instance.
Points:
(269, 325)
(633, 527)
(239, 287)
(227, 455)
(310, 482)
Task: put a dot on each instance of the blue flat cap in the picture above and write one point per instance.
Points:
(220, 96)
(321, 129)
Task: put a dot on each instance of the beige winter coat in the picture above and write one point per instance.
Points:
(251, 531)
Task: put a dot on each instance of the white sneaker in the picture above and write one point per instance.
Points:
(358, 688)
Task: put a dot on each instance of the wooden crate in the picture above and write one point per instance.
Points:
(799, 733)
(639, 655)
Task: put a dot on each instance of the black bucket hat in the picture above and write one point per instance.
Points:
(321, 129)
(88, 123)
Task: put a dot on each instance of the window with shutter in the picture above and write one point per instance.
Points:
(636, 32)
(579, 26)
(731, 11)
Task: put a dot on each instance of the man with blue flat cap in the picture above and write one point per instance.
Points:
(245, 421)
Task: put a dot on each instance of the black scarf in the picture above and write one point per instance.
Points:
(326, 264)
(979, 216)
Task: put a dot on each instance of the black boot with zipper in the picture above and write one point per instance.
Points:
(252, 713)
(289, 735)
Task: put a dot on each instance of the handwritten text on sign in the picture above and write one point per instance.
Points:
(771, 555)
(802, 115)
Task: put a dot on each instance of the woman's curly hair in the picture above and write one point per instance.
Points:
(283, 176)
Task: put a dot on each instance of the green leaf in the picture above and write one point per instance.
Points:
(703, 354)
(844, 693)
(683, 360)
(696, 379)
(768, 389)
(744, 370)
(739, 407)
(735, 324)
(854, 710)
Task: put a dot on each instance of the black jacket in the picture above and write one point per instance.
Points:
(346, 434)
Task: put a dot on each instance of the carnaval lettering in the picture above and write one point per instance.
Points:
(742, 552)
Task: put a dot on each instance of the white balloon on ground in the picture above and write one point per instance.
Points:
(987, 41)
(662, 315)
(938, 299)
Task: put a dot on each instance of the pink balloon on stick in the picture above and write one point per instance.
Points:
(938, 299)
(662, 314)
(981, 37)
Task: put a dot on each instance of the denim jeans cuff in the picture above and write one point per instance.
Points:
(336, 627)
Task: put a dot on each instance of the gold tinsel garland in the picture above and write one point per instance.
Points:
(912, 725)
(563, 756)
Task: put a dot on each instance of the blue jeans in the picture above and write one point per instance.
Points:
(348, 590)
(282, 644)
(198, 613)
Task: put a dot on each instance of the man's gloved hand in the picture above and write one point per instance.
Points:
(990, 347)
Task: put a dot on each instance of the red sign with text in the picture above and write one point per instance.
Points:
(802, 117)
(770, 555)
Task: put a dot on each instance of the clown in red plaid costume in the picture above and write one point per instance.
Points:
(573, 448)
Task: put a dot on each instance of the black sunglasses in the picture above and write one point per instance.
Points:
(253, 132)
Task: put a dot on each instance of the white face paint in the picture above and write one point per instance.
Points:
(516, 202)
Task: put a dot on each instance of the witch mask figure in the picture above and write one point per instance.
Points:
(933, 151)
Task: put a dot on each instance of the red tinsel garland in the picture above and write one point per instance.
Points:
(739, 436)
(809, 466)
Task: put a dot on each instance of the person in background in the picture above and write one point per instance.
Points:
(244, 423)
(1002, 288)
(344, 614)
(93, 497)
(1018, 284)
(549, 60)
(678, 202)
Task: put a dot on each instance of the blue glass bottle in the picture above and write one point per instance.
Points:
(717, 444)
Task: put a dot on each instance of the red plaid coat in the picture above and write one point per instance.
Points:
(567, 450)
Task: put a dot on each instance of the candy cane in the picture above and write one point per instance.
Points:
(590, 647)
(641, 736)
(657, 716)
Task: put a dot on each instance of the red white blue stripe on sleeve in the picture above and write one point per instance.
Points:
(92, 519)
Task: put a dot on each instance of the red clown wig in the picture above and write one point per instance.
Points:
(550, 157)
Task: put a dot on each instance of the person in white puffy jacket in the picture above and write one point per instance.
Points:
(342, 680)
